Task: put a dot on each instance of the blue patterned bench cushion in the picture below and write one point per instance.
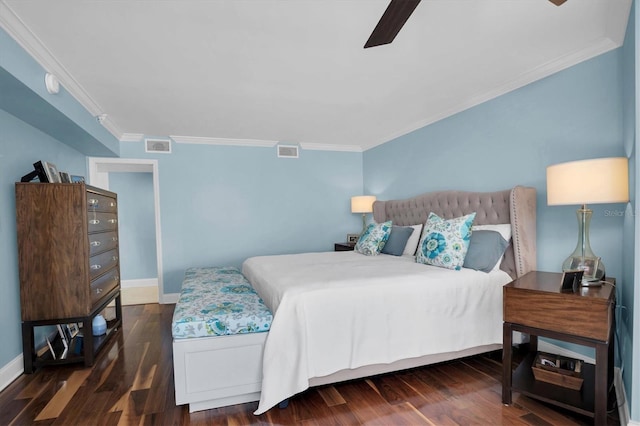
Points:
(218, 302)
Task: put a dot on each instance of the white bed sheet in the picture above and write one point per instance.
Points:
(339, 310)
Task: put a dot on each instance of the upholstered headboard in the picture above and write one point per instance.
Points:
(516, 206)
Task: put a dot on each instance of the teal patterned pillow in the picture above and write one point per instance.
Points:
(445, 242)
(373, 238)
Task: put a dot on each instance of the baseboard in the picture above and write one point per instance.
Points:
(621, 398)
(139, 292)
(11, 371)
(170, 298)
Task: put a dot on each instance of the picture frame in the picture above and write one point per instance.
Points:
(571, 280)
(590, 268)
(65, 177)
(53, 353)
(47, 172)
(352, 238)
(73, 329)
(77, 179)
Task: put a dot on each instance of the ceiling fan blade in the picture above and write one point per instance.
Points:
(557, 2)
(391, 22)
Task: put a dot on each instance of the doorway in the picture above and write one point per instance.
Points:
(135, 291)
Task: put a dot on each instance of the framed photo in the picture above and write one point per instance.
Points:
(65, 177)
(571, 280)
(73, 329)
(590, 268)
(77, 179)
(47, 172)
(53, 353)
(352, 238)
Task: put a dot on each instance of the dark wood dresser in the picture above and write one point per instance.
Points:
(69, 265)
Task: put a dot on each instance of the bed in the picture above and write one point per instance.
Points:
(343, 315)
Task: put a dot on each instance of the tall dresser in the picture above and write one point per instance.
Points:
(68, 263)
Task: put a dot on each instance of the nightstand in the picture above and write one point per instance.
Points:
(343, 247)
(534, 304)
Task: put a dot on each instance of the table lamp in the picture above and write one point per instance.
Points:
(597, 181)
(362, 204)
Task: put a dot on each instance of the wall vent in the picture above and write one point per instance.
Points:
(288, 151)
(157, 145)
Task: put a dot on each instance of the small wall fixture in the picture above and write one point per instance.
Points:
(157, 146)
(51, 83)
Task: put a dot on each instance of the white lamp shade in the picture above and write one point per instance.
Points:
(602, 180)
(362, 203)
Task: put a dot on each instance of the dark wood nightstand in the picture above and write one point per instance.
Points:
(343, 247)
(534, 304)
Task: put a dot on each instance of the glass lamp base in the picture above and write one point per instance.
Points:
(583, 258)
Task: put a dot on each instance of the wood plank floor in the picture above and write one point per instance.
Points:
(132, 384)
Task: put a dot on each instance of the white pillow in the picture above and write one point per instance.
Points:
(503, 228)
(412, 243)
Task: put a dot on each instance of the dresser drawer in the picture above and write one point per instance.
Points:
(102, 241)
(102, 262)
(99, 222)
(101, 203)
(104, 285)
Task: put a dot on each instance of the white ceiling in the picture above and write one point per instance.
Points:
(296, 71)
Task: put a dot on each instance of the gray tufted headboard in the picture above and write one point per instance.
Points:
(516, 206)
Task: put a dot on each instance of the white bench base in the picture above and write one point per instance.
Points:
(212, 372)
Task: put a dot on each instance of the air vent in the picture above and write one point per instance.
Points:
(157, 145)
(288, 151)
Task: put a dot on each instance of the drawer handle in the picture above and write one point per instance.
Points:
(112, 204)
(114, 258)
(98, 290)
(95, 243)
(94, 221)
(94, 201)
(115, 239)
(96, 267)
(113, 220)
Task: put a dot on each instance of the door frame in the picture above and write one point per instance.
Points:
(99, 169)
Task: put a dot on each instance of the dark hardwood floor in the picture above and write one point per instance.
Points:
(132, 384)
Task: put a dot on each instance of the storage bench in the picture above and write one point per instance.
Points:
(219, 328)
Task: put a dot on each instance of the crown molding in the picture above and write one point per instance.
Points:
(330, 147)
(224, 141)
(17, 29)
(604, 45)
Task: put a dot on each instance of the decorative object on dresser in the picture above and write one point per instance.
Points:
(363, 204)
(68, 263)
(597, 181)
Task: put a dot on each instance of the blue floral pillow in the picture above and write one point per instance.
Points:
(445, 242)
(373, 238)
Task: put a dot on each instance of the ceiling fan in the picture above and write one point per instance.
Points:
(394, 18)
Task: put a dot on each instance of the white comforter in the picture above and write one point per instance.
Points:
(339, 310)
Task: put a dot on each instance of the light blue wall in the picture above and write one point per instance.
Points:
(21, 145)
(221, 204)
(626, 293)
(572, 115)
(136, 224)
(60, 116)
